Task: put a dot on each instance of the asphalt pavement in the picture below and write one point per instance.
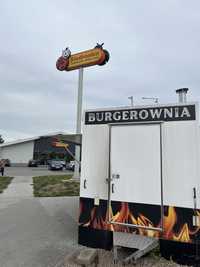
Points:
(32, 171)
(35, 232)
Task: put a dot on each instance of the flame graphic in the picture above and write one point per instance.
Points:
(124, 215)
(169, 222)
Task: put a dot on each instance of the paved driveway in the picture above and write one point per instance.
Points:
(35, 232)
(31, 171)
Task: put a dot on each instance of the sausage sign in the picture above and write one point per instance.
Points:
(95, 56)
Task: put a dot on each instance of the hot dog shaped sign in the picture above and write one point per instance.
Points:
(95, 56)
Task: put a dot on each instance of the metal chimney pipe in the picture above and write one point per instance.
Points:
(182, 95)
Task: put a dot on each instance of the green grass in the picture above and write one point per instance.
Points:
(55, 186)
(4, 182)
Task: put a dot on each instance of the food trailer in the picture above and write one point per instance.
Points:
(140, 178)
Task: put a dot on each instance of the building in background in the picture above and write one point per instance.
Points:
(40, 148)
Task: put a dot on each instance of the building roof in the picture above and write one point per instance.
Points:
(74, 138)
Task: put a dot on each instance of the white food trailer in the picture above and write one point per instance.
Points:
(140, 177)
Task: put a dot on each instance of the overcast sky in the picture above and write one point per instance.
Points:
(154, 48)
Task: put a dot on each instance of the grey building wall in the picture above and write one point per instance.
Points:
(18, 154)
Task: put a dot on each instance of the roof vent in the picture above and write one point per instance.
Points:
(182, 95)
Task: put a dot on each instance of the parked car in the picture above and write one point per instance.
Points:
(7, 162)
(42, 161)
(63, 162)
(71, 165)
(32, 163)
(49, 161)
(55, 165)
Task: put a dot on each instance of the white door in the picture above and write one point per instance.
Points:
(135, 163)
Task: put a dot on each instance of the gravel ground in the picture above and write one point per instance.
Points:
(106, 260)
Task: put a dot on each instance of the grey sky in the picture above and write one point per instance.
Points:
(154, 48)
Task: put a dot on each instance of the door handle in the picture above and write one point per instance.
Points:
(112, 188)
(84, 184)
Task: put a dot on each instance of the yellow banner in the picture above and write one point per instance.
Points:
(86, 58)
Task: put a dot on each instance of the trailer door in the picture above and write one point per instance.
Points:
(136, 164)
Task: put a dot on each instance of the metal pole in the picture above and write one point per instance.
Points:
(131, 98)
(78, 120)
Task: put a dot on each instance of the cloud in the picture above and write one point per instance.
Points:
(154, 48)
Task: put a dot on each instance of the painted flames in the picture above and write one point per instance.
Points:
(124, 215)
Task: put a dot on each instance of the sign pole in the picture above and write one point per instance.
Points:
(78, 120)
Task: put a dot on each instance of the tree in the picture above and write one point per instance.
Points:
(1, 139)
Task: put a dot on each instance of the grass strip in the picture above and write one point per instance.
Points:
(4, 182)
(55, 186)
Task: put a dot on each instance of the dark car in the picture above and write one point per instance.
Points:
(55, 165)
(32, 163)
(7, 162)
